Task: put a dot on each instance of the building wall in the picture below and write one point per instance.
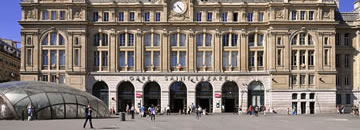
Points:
(9, 61)
(279, 72)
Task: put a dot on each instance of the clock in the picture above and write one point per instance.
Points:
(179, 7)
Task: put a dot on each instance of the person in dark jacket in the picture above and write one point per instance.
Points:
(88, 112)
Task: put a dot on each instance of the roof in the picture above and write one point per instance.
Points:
(149, 1)
(346, 16)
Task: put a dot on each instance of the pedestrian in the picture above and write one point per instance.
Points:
(189, 110)
(235, 110)
(152, 112)
(88, 112)
(250, 110)
(193, 108)
(264, 110)
(198, 112)
(127, 109)
(185, 110)
(142, 110)
(168, 110)
(342, 109)
(240, 110)
(132, 111)
(256, 110)
(30, 112)
(288, 111)
(294, 111)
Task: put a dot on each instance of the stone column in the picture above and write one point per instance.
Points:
(244, 52)
(217, 52)
(112, 51)
(23, 50)
(191, 52)
(139, 52)
(165, 52)
(69, 52)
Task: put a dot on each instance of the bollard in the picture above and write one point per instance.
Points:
(122, 116)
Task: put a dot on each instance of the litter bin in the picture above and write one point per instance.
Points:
(122, 116)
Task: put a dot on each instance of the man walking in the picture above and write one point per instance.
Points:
(30, 112)
(88, 112)
(132, 111)
(168, 110)
(152, 112)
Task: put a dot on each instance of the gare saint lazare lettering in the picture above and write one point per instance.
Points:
(181, 78)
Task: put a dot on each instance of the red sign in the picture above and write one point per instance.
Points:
(138, 95)
(217, 95)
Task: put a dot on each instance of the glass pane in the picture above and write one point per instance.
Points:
(82, 100)
(208, 40)
(225, 40)
(199, 59)
(16, 95)
(147, 56)
(208, 60)
(182, 39)
(225, 58)
(45, 41)
(39, 101)
(45, 57)
(61, 40)
(173, 39)
(131, 40)
(260, 40)
(53, 38)
(173, 58)
(44, 113)
(53, 57)
(104, 58)
(55, 98)
(131, 58)
(157, 58)
(21, 107)
(156, 40)
(122, 59)
(234, 40)
(199, 39)
(58, 111)
(147, 40)
(122, 39)
(182, 59)
(81, 111)
(62, 57)
(69, 98)
(234, 58)
(71, 110)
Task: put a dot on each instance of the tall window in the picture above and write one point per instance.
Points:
(203, 39)
(209, 17)
(121, 16)
(178, 53)
(293, 57)
(132, 16)
(337, 39)
(147, 16)
(106, 16)
(311, 15)
(53, 15)
(45, 59)
(54, 39)
(261, 17)
(311, 79)
(311, 58)
(235, 17)
(251, 40)
(302, 79)
(126, 59)
(250, 17)
(198, 16)
(204, 55)
(347, 61)
(326, 57)
(302, 57)
(157, 17)
(28, 56)
(294, 79)
(302, 15)
(104, 58)
(260, 41)
(293, 15)
(278, 61)
(96, 16)
(178, 39)
(347, 40)
(224, 17)
(62, 15)
(96, 58)
(337, 60)
(230, 58)
(45, 15)
(77, 57)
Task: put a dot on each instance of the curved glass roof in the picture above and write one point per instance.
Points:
(49, 100)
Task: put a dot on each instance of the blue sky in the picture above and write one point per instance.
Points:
(10, 14)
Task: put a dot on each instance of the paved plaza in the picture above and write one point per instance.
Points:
(211, 122)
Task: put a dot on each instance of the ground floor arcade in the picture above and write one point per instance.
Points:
(215, 93)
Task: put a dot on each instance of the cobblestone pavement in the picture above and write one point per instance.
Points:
(189, 122)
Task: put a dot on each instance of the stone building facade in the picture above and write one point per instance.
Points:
(9, 61)
(218, 54)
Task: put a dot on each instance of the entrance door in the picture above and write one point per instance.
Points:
(303, 107)
(312, 107)
(126, 96)
(204, 96)
(152, 94)
(101, 91)
(230, 96)
(178, 93)
(256, 94)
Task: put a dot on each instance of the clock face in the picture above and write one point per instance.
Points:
(179, 7)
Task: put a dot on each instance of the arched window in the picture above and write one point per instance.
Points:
(101, 39)
(152, 53)
(230, 39)
(203, 39)
(178, 51)
(178, 39)
(152, 39)
(130, 39)
(54, 38)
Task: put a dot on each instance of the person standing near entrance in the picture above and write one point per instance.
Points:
(152, 112)
(256, 110)
(264, 110)
(30, 112)
(240, 110)
(142, 110)
(294, 108)
(88, 112)
(127, 109)
(132, 111)
(168, 110)
(198, 112)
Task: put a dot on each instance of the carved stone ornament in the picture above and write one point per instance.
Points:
(78, 14)
(326, 14)
(30, 14)
(279, 14)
